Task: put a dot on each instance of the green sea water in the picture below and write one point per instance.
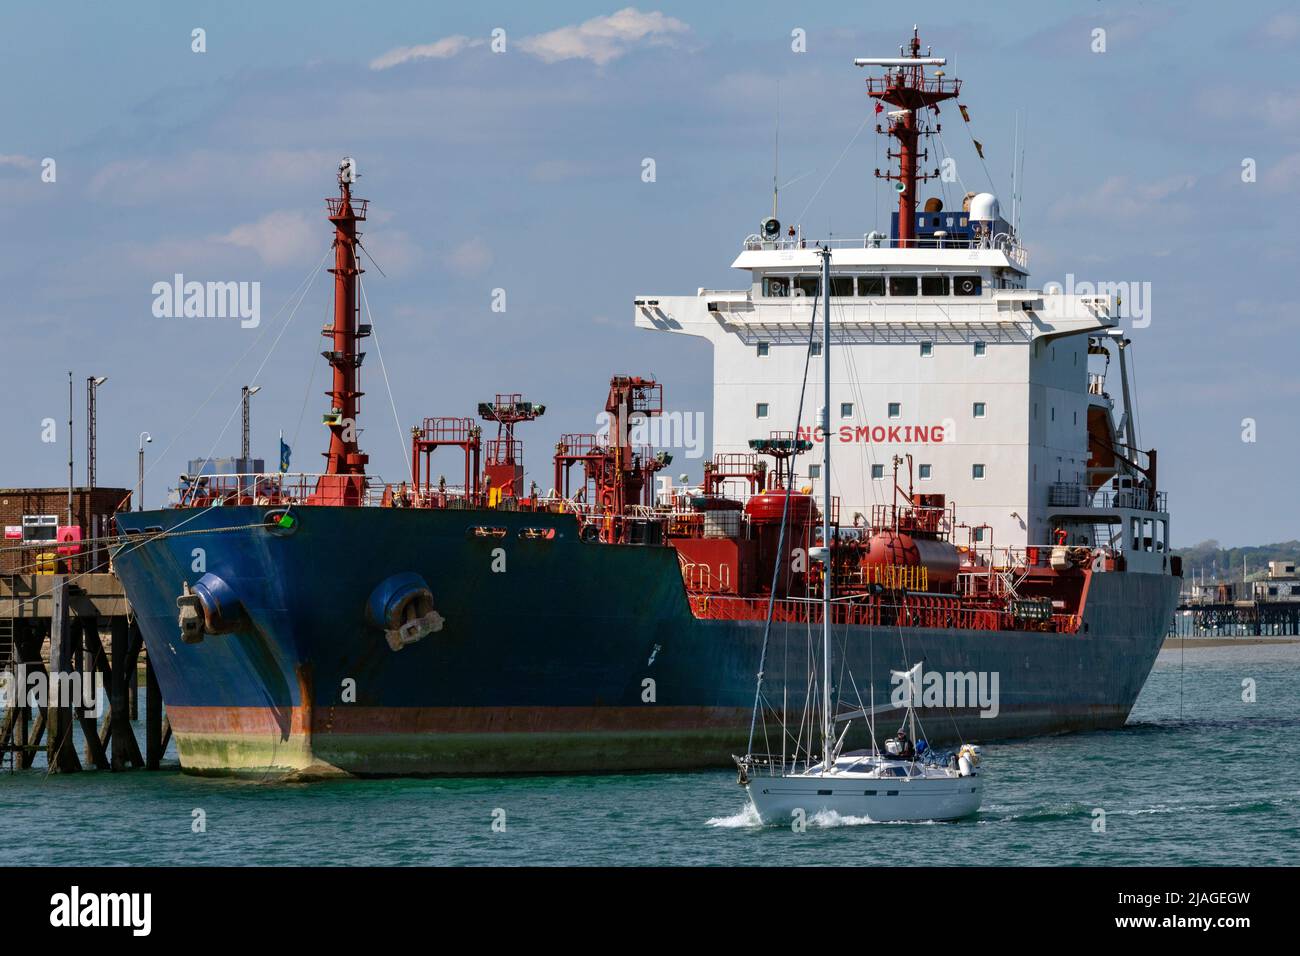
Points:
(1198, 776)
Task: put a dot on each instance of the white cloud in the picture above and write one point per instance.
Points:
(161, 179)
(437, 50)
(1121, 198)
(1283, 28)
(16, 161)
(600, 40)
(279, 238)
(392, 250)
(471, 258)
(1280, 176)
(1278, 109)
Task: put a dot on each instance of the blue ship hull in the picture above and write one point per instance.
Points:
(555, 654)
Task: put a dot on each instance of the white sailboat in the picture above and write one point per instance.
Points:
(905, 783)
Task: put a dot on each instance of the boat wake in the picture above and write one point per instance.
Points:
(823, 819)
(747, 817)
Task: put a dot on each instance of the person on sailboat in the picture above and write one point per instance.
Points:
(905, 749)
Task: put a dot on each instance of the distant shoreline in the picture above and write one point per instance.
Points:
(1204, 642)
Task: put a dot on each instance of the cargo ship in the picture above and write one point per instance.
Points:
(991, 514)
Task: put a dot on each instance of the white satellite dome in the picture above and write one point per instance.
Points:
(984, 207)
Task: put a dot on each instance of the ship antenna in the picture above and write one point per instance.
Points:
(776, 149)
(1020, 178)
(1015, 149)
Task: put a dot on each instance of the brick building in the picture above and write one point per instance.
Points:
(34, 520)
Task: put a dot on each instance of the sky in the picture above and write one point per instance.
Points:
(129, 155)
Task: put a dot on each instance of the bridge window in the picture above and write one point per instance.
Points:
(927, 348)
(977, 472)
(816, 348)
(846, 409)
(934, 285)
(842, 285)
(776, 286)
(760, 410)
(877, 472)
(979, 534)
(902, 285)
(763, 349)
(967, 285)
(923, 472)
(981, 348)
(808, 286)
(895, 410)
(977, 410)
(814, 471)
(871, 285)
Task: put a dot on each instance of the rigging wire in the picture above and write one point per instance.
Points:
(305, 285)
(845, 152)
(780, 541)
(397, 421)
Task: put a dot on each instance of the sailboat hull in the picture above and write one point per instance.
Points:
(791, 800)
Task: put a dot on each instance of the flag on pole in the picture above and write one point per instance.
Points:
(285, 452)
(964, 115)
(979, 147)
(879, 108)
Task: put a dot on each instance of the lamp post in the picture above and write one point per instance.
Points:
(139, 485)
(70, 478)
(92, 421)
(248, 392)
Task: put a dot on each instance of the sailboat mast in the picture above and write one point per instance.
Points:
(828, 726)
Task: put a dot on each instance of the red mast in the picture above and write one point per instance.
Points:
(344, 481)
(906, 87)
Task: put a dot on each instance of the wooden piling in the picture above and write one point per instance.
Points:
(119, 717)
(153, 732)
(60, 750)
(86, 633)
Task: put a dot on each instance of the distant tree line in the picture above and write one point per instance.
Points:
(1214, 563)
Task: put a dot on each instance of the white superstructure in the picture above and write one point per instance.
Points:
(942, 352)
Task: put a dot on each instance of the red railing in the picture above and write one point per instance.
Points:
(932, 611)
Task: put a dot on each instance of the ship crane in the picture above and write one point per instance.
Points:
(781, 447)
(628, 471)
(503, 468)
(618, 473)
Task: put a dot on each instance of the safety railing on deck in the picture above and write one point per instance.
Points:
(931, 611)
(1070, 495)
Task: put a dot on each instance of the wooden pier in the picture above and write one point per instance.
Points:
(1237, 619)
(53, 632)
